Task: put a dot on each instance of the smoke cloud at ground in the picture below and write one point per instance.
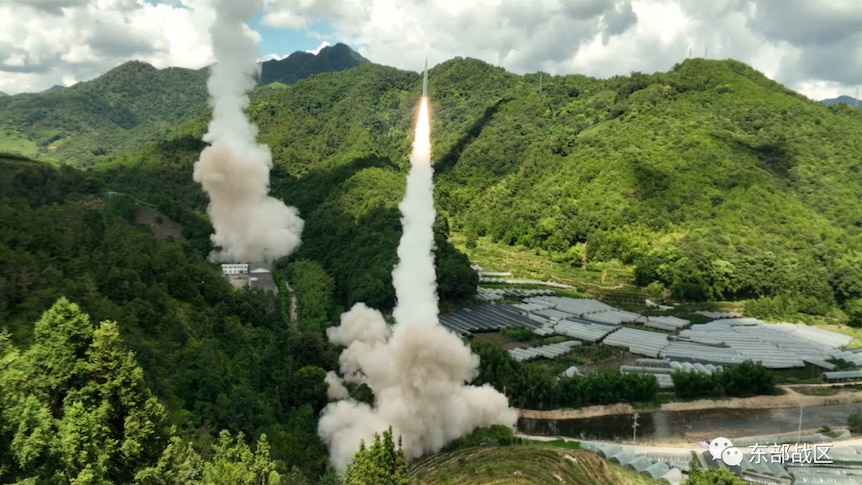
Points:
(234, 170)
(417, 370)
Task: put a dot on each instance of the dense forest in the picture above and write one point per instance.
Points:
(217, 359)
(710, 181)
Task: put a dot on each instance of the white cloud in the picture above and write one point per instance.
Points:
(319, 48)
(44, 42)
(800, 43)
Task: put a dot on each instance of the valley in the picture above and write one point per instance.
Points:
(706, 187)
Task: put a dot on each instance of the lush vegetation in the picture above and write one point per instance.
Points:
(76, 409)
(709, 181)
(349, 202)
(534, 386)
(216, 358)
(131, 107)
(711, 476)
(854, 421)
(380, 463)
(745, 380)
(126, 109)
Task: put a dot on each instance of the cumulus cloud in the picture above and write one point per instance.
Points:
(45, 41)
(815, 47)
(802, 44)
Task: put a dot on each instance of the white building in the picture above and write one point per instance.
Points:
(234, 269)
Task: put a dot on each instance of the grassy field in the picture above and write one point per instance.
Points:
(609, 282)
(537, 265)
(11, 143)
(521, 465)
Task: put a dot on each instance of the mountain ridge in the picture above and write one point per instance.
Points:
(130, 105)
(849, 100)
(710, 180)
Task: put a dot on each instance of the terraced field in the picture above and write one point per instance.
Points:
(520, 465)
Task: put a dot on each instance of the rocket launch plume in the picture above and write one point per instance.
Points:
(417, 370)
(234, 170)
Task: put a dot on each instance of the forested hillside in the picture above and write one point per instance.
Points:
(300, 65)
(130, 107)
(216, 359)
(710, 180)
(344, 171)
(125, 109)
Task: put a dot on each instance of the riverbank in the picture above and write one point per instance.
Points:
(791, 398)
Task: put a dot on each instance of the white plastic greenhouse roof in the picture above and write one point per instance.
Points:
(668, 323)
(573, 306)
(852, 357)
(614, 317)
(638, 341)
(582, 330)
(845, 374)
(551, 351)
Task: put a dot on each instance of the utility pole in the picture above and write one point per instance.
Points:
(635, 427)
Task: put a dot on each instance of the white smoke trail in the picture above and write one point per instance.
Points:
(234, 170)
(414, 278)
(418, 374)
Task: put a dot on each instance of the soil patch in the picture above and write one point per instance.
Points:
(161, 226)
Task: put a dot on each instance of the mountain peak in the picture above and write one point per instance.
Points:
(301, 64)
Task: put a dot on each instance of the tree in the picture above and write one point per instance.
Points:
(853, 308)
(854, 421)
(381, 464)
(234, 463)
(77, 405)
(714, 476)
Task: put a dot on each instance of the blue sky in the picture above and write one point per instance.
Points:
(284, 41)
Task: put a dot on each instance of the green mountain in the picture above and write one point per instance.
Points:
(122, 110)
(300, 65)
(130, 107)
(3, 95)
(710, 180)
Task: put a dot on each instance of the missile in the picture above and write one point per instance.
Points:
(425, 80)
